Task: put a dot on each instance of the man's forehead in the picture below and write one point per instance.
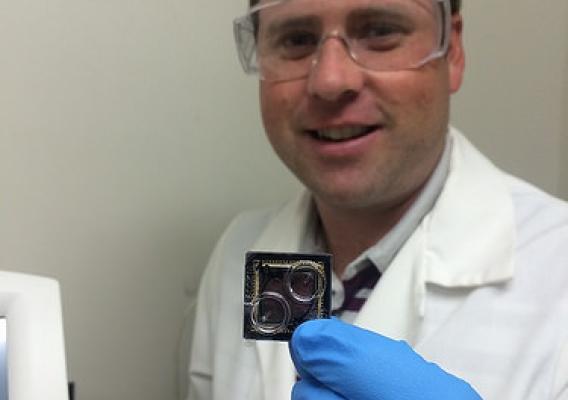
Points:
(287, 8)
(264, 3)
(321, 6)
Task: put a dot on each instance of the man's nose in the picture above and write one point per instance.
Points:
(334, 74)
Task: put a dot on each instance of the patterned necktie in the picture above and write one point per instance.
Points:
(357, 289)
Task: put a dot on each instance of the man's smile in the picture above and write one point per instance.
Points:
(343, 133)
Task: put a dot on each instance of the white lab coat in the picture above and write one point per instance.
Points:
(481, 288)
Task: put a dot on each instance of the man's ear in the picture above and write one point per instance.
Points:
(456, 54)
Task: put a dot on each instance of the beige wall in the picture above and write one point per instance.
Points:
(563, 150)
(128, 138)
(514, 101)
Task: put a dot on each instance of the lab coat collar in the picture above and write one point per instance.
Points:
(466, 240)
(470, 232)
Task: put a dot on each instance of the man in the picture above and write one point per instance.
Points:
(461, 261)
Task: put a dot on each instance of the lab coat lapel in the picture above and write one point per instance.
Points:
(286, 230)
(283, 234)
(277, 370)
(473, 212)
(471, 230)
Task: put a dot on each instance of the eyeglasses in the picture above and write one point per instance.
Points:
(281, 40)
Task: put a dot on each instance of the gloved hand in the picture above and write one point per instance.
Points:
(338, 361)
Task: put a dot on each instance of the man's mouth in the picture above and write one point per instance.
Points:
(341, 134)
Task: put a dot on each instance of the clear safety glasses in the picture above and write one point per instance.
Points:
(281, 40)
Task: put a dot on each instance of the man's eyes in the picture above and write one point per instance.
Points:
(372, 35)
(295, 43)
(379, 30)
(380, 36)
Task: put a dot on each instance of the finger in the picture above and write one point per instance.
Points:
(307, 389)
(359, 365)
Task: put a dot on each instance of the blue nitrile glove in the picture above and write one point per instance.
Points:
(338, 361)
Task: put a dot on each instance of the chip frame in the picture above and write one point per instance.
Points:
(283, 290)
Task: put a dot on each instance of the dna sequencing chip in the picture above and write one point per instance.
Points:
(283, 290)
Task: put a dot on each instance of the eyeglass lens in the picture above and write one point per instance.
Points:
(377, 34)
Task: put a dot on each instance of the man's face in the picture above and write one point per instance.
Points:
(359, 138)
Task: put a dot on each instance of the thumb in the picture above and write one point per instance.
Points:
(362, 365)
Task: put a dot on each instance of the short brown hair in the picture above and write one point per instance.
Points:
(455, 4)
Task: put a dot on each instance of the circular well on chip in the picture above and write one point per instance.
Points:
(305, 281)
(270, 313)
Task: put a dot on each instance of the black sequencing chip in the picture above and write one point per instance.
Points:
(282, 290)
